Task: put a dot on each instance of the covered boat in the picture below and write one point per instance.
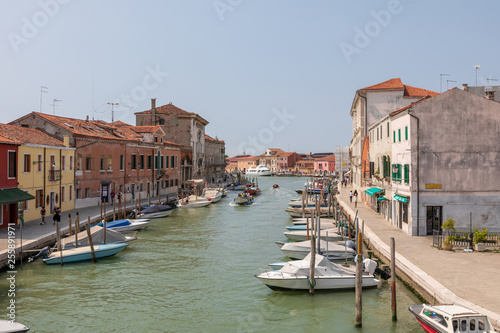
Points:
(84, 253)
(450, 319)
(97, 234)
(331, 250)
(294, 275)
(125, 225)
(156, 211)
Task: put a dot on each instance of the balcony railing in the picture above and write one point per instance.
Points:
(54, 175)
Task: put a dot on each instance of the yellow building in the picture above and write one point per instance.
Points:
(45, 170)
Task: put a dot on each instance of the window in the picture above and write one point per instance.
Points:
(406, 133)
(156, 162)
(387, 129)
(161, 140)
(39, 162)
(177, 182)
(166, 162)
(25, 203)
(172, 160)
(27, 163)
(150, 161)
(161, 161)
(161, 121)
(377, 134)
(407, 173)
(79, 162)
(102, 163)
(133, 162)
(472, 325)
(399, 134)
(63, 162)
(70, 193)
(393, 136)
(63, 194)
(88, 163)
(141, 162)
(39, 198)
(110, 162)
(171, 182)
(156, 139)
(12, 164)
(396, 176)
(71, 162)
(122, 161)
(176, 161)
(78, 193)
(87, 192)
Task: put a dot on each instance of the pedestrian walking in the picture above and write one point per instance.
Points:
(57, 214)
(350, 196)
(42, 212)
(355, 201)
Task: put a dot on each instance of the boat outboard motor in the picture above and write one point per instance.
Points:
(369, 266)
(44, 253)
(384, 274)
(350, 244)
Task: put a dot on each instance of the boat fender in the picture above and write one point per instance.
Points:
(350, 244)
(369, 266)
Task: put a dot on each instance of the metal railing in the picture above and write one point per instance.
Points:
(54, 175)
(463, 239)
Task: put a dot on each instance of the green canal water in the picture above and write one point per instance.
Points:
(194, 272)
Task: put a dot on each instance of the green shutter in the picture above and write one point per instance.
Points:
(161, 161)
(399, 134)
(384, 166)
(406, 133)
(400, 171)
(407, 173)
(172, 161)
(393, 136)
(166, 162)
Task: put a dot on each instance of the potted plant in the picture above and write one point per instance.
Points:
(480, 239)
(448, 227)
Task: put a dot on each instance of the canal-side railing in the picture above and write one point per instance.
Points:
(463, 239)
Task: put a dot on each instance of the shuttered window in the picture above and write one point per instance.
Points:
(407, 173)
(12, 164)
(406, 133)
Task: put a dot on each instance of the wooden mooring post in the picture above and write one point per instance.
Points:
(359, 276)
(393, 280)
(91, 243)
(312, 263)
(69, 225)
(77, 228)
(59, 245)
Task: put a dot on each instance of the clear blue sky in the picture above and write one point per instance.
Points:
(238, 63)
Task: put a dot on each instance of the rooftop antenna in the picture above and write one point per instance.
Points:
(93, 97)
(491, 80)
(54, 104)
(42, 91)
(441, 82)
(477, 67)
(113, 112)
(448, 81)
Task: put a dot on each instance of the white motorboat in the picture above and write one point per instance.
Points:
(450, 319)
(126, 225)
(84, 253)
(193, 201)
(294, 275)
(297, 212)
(212, 194)
(303, 220)
(301, 235)
(7, 326)
(237, 187)
(97, 234)
(331, 250)
(259, 170)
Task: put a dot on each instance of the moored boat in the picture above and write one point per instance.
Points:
(450, 318)
(125, 225)
(212, 194)
(97, 234)
(294, 275)
(193, 201)
(84, 253)
(331, 250)
(7, 326)
(156, 211)
(301, 235)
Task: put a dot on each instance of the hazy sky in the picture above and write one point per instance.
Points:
(263, 73)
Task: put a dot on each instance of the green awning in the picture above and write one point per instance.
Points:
(401, 198)
(382, 198)
(13, 195)
(373, 190)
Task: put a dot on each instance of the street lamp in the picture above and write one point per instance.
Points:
(395, 168)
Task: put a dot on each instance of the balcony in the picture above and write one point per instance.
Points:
(54, 175)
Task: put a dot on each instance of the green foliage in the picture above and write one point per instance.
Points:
(480, 236)
(449, 225)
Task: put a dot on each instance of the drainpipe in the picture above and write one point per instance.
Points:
(418, 170)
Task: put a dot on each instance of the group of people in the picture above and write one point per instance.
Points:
(344, 182)
(56, 215)
(354, 196)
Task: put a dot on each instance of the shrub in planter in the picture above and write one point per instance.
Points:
(448, 227)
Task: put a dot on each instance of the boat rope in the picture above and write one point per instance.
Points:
(310, 284)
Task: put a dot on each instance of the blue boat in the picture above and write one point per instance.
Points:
(84, 253)
(125, 225)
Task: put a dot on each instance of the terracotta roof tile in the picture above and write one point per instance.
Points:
(396, 84)
(418, 92)
(389, 84)
(326, 158)
(168, 109)
(144, 129)
(24, 135)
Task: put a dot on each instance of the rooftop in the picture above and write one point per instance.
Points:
(397, 84)
(24, 135)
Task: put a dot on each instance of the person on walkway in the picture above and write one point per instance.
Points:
(57, 215)
(350, 196)
(42, 212)
(355, 200)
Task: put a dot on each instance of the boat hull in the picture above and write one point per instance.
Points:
(276, 281)
(156, 215)
(196, 204)
(301, 235)
(84, 253)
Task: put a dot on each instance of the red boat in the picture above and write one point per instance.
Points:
(449, 318)
(253, 191)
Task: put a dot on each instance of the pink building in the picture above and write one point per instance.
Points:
(324, 165)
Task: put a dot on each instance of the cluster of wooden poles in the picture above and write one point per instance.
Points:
(343, 222)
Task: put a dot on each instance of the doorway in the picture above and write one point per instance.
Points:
(434, 218)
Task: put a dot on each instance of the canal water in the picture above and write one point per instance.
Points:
(194, 272)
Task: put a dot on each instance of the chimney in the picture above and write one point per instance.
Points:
(153, 111)
(87, 119)
(490, 94)
(465, 87)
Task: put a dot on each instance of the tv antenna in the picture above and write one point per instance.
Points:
(54, 104)
(441, 82)
(448, 81)
(42, 91)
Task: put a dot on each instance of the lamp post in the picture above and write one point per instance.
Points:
(477, 67)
